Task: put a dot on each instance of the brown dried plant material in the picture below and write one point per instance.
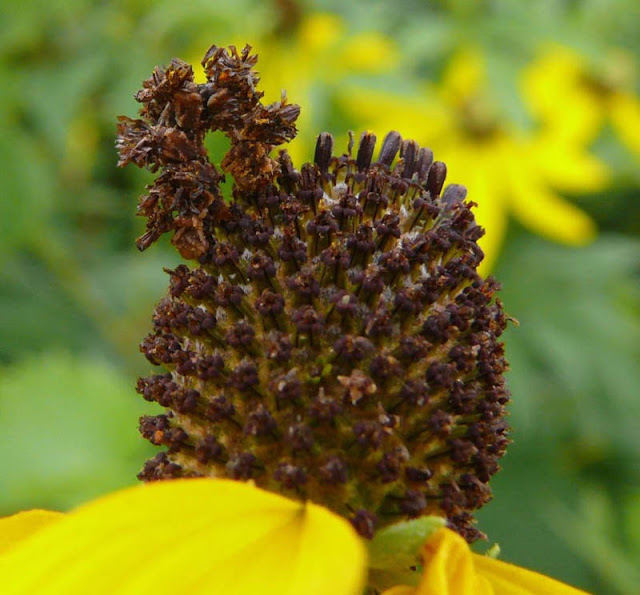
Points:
(176, 114)
(333, 339)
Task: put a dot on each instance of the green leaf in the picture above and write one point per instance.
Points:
(574, 356)
(69, 431)
(27, 195)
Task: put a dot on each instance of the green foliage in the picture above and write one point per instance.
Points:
(570, 479)
(68, 431)
(576, 351)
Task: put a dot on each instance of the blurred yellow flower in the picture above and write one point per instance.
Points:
(312, 65)
(575, 98)
(220, 536)
(507, 171)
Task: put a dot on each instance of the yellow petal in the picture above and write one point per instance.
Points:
(190, 536)
(449, 568)
(478, 170)
(625, 117)
(567, 166)
(15, 528)
(544, 211)
(579, 120)
(369, 52)
(508, 579)
(417, 117)
(553, 91)
(400, 590)
(318, 31)
(494, 221)
(465, 75)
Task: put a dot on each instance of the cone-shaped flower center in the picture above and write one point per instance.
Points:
(332, 339)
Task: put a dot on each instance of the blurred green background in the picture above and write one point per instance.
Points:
(535, 107)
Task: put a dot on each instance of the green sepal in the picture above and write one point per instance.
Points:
(493, 552)
(394, 552)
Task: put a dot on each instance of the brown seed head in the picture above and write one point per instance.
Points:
(332, 339)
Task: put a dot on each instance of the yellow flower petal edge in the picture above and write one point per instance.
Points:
(190, 536)
(625, 117)
(401, 590)
(17, 527)
(451, 568)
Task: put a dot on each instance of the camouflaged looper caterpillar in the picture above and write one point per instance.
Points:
(330, 339)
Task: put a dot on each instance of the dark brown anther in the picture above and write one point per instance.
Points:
(244, 376)
(436, 177)
(415, 391)
(409, 154)
(344, 302)
(261, 267)
(441, 423)
(304, 284)
(324, 149)
(287, 388)
(413, 503)
(291, 477)
(292, 249)
(228, 295)
(369, 434)
(453, 194)
(208, 449)
(364, 522)
(242, 466)
(278, 347)
(365, 151)
(220, 408)
(390, 147)
(260, 422)
(270, 303)
(413, 348)
(384, 366)
(307, 320)
(323, 224)
(323, 410)
(240, 335)
(352, 349)
(289, 178)
(300, 437)
(418, 475)
(334, 471)
(423, 164)
(408, 301)
(462, 451)
(391, 464)
(161, 467)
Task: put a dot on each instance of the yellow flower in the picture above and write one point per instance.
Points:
(312, 65)
(575, 99)
(220, 536)
(507, 171)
